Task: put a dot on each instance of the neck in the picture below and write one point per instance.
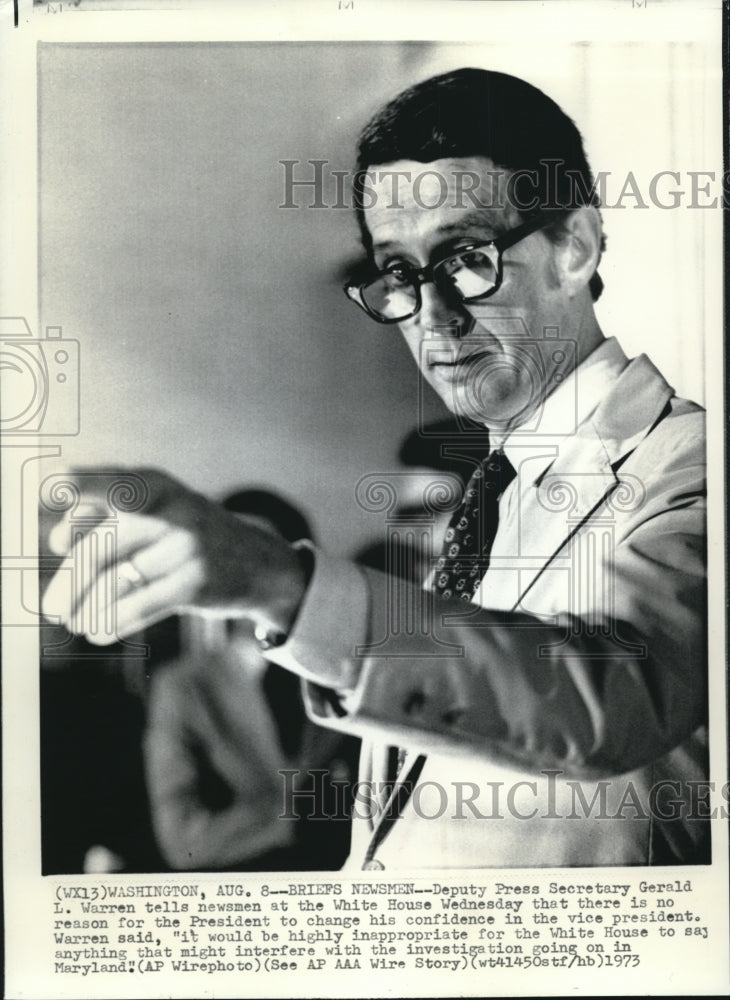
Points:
(588, 334)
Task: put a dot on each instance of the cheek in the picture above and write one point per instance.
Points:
(525, 368)
(551, 271)
(531, 290)
(413, 337)
(502, 379)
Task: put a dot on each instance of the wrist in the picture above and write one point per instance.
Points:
(273, 628)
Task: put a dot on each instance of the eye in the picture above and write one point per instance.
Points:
(469, 257)
(453, 255)
(398, 272)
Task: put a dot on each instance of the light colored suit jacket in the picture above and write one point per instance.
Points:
(563, 721)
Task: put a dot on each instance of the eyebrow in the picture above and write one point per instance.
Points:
(482, 218)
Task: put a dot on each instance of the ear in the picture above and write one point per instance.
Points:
(579, 252)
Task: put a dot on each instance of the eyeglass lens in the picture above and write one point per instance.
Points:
(391, 296)
(471, 275)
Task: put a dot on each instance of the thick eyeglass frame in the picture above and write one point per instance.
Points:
(423, 275)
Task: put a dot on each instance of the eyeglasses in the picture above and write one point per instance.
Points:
(472, 274)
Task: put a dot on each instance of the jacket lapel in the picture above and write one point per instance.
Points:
(554, 502)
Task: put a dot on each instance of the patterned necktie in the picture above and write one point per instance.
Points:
(468, 540)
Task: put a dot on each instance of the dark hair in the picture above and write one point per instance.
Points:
(283, 516)
(478, 112)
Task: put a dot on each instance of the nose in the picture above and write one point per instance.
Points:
(439, 316)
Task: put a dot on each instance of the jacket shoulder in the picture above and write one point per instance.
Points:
(678, 434)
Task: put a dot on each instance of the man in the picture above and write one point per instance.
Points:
(552, 701)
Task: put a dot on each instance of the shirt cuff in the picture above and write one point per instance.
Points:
(330, 625)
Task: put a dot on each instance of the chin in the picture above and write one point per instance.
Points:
(497, 413)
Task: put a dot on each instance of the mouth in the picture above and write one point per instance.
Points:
(463, 359)
(467, 345)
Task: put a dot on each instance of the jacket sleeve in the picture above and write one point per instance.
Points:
(597, 694)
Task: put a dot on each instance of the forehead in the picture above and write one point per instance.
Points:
(411, 202)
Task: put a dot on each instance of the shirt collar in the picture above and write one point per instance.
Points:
(570, 404)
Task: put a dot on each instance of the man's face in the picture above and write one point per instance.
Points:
(488, 360)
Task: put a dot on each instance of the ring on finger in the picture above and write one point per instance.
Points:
(131, 574)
